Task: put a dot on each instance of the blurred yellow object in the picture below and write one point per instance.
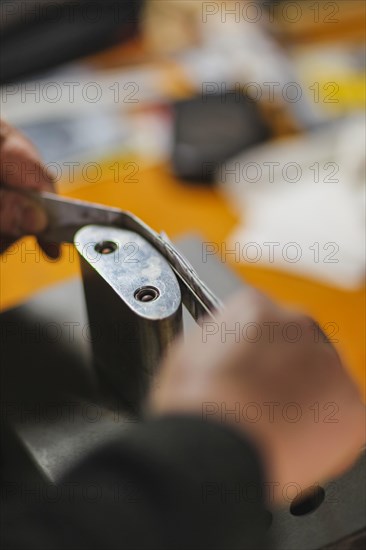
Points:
(349, 89)
(333, 76)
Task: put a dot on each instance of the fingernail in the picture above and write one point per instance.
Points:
(33, 220)
(52, 250)
(50, 175)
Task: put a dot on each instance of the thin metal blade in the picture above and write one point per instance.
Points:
(67, 216)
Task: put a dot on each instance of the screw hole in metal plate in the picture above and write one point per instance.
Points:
(106, 247)
(147, 294)
(308, 501)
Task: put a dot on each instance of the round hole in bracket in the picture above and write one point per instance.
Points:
(106, 247)
(308, 501)
(147, 294)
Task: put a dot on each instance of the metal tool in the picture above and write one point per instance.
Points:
(67, 216)
(135, 282)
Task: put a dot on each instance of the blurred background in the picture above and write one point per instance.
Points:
(241, 123)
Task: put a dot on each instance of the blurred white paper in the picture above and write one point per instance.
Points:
(69, 139)
(306, 213)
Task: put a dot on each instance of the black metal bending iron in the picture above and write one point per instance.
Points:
(135, 282)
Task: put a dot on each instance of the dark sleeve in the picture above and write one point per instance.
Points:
(175, 482)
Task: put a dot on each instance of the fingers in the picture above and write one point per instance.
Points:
(210, 344)
(223, 367)
(53, 250)
(21, 167)
(20, 163)
(210, 351)
(19, 215)
(224, 338)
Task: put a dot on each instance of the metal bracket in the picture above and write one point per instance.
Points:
(134, 306)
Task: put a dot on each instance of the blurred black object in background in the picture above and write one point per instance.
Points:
(39, 34)
(212, 128)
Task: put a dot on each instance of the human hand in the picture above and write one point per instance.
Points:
(21, 168)
(277, 380)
